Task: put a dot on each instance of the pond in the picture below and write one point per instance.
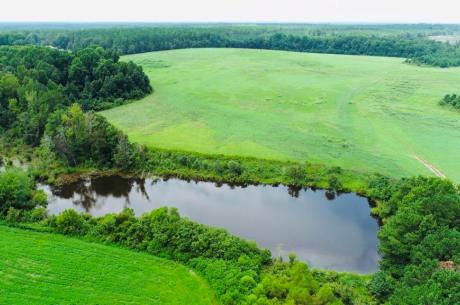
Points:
(326, 230)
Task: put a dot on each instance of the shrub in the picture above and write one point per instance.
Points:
(70, 222)
(13, 216)
(234, 168)
(296, 174)
(334, 182)
(38, 214)
(381, 285)
(17, 191)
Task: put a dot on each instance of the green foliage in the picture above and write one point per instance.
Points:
(349, 288)
(382, 285)
(78, 137)
(436, 287)
(123, 155)
(451, 100)
(15, 217)
(231, 281)
(421, 232)
(71, 223)
(17, 190)
(429, 207)
(36, 81)
(234, 168)
(334, 182)
(294, 283)
(407, 41)
(245, 170)
(297, 174)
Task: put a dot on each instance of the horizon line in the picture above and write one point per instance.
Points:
(228, 22)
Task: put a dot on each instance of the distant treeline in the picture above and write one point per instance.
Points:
(451, 100)
(413, 45)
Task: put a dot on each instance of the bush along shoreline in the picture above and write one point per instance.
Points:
(231, 170)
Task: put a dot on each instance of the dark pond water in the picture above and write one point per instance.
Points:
(325, 230)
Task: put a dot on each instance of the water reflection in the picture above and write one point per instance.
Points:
(325, 229)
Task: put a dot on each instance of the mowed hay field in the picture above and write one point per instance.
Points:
(40, 268)
(372, 114)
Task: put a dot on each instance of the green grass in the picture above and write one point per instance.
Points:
(43, 268)
(372, 114)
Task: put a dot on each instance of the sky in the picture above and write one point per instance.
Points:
(373, 11)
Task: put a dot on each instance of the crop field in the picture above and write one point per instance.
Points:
(372, 114)
(39, 268)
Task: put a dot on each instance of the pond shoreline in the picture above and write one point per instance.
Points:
(300, 220)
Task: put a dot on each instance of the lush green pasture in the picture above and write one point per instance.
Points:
(41, 268)
(365, 113)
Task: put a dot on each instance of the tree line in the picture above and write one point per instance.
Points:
(414, 46)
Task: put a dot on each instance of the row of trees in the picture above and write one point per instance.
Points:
(419, 242)
(129, 40)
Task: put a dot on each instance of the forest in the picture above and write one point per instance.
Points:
(409, 42)
(39, 85)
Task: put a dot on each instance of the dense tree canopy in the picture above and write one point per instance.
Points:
(80, 138)
(419, 242)
(403, 41)
(36, 81)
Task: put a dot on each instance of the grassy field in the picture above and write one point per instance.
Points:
(373, 114)
(40, 268)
